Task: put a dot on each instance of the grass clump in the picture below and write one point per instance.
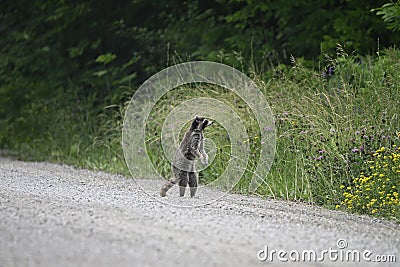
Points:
(70, 129)
(330, 126)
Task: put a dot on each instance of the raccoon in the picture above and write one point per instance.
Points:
(191, 148)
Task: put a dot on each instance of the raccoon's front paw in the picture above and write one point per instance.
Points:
(204, 160)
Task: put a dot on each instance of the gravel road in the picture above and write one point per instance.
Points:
(56, 215)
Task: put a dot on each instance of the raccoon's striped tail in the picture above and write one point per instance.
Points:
(170, 183)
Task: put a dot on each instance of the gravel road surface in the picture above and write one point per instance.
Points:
(55, 215)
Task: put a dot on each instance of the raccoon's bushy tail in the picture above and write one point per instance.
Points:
(170, 183)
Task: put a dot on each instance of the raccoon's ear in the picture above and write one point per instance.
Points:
(197, 118)
(195, 123)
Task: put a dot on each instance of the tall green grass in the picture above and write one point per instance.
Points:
(68, 128)
(329, 129)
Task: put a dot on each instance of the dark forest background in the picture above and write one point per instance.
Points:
(48, 47)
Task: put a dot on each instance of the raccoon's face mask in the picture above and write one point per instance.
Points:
(206, 123)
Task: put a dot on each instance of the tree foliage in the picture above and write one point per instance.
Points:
(390, 13)
(58, 47)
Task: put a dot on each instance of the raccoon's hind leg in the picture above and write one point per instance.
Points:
(193, 183)
(170, 183)
(180, 177)
(183, 183)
